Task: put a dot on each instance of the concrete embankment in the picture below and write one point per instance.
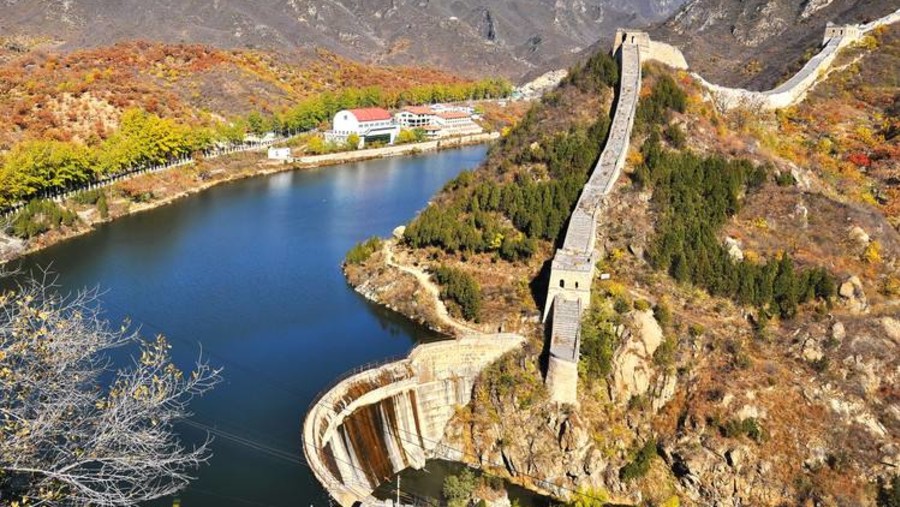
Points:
(381, 420)
(395, 151)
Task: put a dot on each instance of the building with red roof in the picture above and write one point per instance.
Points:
(370, 124)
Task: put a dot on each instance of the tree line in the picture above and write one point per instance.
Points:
(314, 111)
(145, 139)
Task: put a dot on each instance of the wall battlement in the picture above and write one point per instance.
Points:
(794, 89)
(573, 268)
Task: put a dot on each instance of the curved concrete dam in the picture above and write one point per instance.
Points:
(379, 421)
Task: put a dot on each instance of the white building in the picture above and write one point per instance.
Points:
(370, 124)
(283, 154)
(456, 123)
(415, 117)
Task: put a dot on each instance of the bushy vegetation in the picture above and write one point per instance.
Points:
(640, 465)
(40, 216)
(748, 427)
(461, 291)
(407, 136)
(361, 251)
(458, 489)
(889, 495)
(598, 71)
(694, 197)
(653, 109)
(507, 210)
(598, 341)
(474, 220)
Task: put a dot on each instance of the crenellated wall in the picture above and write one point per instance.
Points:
(573, 267)
(382, 420)
(794, 89)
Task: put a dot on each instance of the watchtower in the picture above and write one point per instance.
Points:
(623, 35)
(848, 32)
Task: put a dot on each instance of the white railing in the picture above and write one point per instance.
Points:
(61, 194)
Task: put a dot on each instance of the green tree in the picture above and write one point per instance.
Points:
(458, 489)
(34, 166)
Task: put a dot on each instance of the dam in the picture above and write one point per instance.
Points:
(379, 421)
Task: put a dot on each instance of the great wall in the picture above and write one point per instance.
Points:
(378, 421)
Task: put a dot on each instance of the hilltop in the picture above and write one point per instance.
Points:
(82, 94)
(757, 43)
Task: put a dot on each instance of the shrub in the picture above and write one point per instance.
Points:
(640, 465)
(785, 179)
(749, 427)
(38, 217)
(598, 342)
(889, 496)
(87, 197)
(363, 250)
(641, 305)
(458, 489)
(461, 290)
(675, 136)
(103, 206)
(663, 314)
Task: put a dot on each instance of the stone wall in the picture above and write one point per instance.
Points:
(573, 266)
(794, 89)
(380, 421)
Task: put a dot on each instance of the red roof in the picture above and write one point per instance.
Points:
(453, 115)
(419, 110)
(371, 114)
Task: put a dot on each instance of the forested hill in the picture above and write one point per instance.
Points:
(76, 117)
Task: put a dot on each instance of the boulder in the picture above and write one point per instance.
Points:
(838, 333)
(733, 247)
(399, 231)
(812, 350)
(891, 328)
(854, 296)
(632, 368)
(859, 236)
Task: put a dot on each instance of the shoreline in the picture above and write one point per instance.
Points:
(258, 165)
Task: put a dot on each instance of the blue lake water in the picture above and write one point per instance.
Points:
(251, 271)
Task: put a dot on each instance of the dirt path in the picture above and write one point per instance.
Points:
(425, 281)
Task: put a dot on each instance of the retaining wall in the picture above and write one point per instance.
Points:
(394, 151)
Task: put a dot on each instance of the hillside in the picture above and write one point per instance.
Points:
(756, 43)
(82, 94)
(744, 350)
(474, 37)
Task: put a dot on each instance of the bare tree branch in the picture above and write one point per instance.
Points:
(66, 437)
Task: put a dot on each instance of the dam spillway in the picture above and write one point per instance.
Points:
(384, 419)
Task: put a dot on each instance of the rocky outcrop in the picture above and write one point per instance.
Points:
(853, 295)
(633, 370)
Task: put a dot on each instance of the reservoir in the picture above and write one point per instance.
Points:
(249, 273)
